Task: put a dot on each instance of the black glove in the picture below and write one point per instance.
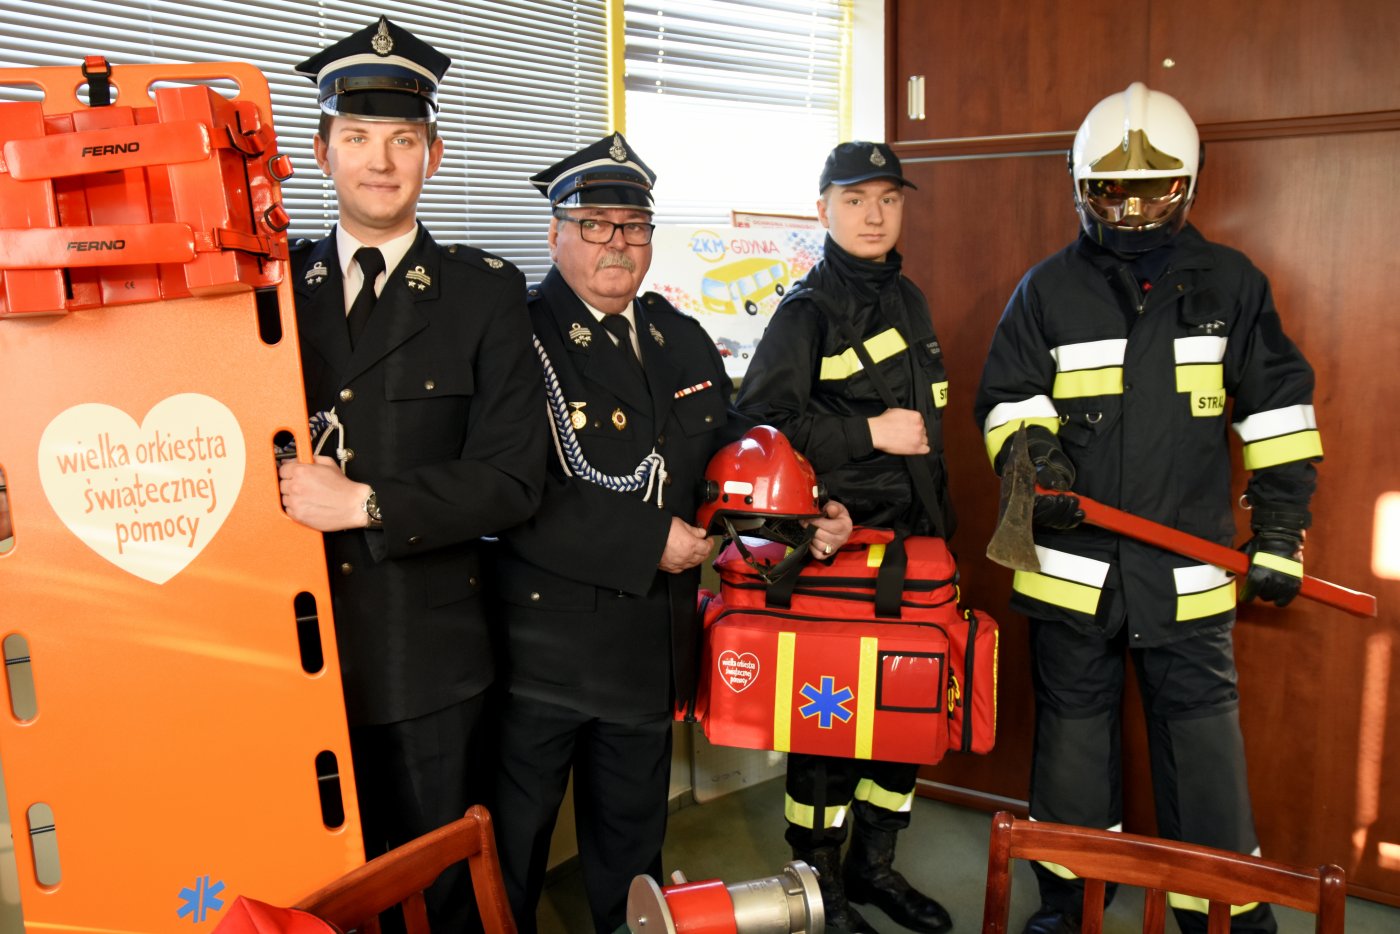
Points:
(1275, 566)
(1053, 471)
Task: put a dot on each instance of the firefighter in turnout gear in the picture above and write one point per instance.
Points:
(876, 442)
(1119, 354)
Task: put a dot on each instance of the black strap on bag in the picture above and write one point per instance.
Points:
(917, 466)
(889, 582)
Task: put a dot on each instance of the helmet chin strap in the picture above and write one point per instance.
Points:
(771, 573)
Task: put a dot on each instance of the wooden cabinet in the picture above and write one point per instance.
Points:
(1298, 102)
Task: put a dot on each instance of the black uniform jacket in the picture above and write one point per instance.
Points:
(1142, 390)
(592, 623)
(806, 381)
(441, 403)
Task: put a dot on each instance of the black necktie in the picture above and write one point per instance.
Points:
(371, 264)
(621, 329)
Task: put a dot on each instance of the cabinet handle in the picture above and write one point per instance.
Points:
(916, 97)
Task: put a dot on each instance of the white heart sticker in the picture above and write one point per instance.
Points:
(146, 497)
(738, 671)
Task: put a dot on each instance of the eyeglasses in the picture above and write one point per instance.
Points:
(594, 230)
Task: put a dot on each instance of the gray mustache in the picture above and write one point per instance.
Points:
(617, 259)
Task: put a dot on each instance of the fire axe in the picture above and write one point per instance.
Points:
(1012, 544)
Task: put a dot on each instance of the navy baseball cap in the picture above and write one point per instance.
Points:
(859, 161)
(382, 72)
(605, 174)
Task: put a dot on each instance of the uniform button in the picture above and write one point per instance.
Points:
(667, 481)
(347, 568)
(660, 439)
(1180, 287)
(535, 596)
(415, 539)
(709, 418)
(1127, 386)
(347, 394)
(472, 581)
(429, 384)
(349, 454)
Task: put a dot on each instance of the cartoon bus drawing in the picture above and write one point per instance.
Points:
(744, 284)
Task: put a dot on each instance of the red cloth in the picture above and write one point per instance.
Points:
(250, 916)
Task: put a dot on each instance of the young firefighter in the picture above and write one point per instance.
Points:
(1119, 353)
(885, 462)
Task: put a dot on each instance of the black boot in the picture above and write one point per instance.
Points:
(871, 879)
(841, 918)
(1050, 920)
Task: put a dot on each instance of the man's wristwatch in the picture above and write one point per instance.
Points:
(371, 507)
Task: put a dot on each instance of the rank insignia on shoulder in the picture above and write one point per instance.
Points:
(493, 262)
(619, 419)
(656, 335)
(418, 278)
(316, 274)
(577, 418)
(580, 335)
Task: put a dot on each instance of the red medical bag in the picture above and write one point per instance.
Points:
(865, 656)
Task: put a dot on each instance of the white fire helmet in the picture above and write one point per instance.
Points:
(1135, 161)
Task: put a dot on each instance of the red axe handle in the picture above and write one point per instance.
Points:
(1154, 533)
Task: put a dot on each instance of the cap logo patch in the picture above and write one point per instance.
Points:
(876, 159)
(617, 150)
(382, 43)
(493, 262)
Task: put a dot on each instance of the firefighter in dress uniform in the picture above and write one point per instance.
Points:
(599, 587)
(418, 373)
(1119, 354)
(807, 380)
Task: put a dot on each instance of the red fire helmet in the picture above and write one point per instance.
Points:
(756, 479)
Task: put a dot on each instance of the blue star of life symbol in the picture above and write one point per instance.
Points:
(200, 900)
(826, 703)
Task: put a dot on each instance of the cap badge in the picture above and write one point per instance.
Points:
(876, 159)
(619, 419)
(316, 273)
(418, 278)
(493, 262)
(617, 150)
(576, 417)
(656, 335)
(382, 43)
(580, 335)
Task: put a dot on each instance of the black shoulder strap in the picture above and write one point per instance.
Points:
(918, 467)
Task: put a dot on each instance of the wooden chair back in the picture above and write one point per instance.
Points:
(356, 899)
(1157, 866)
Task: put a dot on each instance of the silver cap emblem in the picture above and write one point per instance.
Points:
(876, 159)
(382, 43)
(617, 150)
(493, 262)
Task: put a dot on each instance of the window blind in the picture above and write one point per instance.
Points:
(528, 85)
(735, 104)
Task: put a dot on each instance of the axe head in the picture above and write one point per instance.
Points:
(1013, 544)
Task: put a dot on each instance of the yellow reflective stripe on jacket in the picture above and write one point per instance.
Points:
(1192, 903)
(804, 815)
(1283, 450)
(846, 364)
(782, 693)
(1105, 382)
(865, 696)
(1003, 420)
(940, 394)
(1200, 377)
(1202, 590)
(1207, 603)
(871, 793)
(1278, 563)
(1078, 597)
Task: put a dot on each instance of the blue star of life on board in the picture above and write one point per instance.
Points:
(825, 702)
(200, 900)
